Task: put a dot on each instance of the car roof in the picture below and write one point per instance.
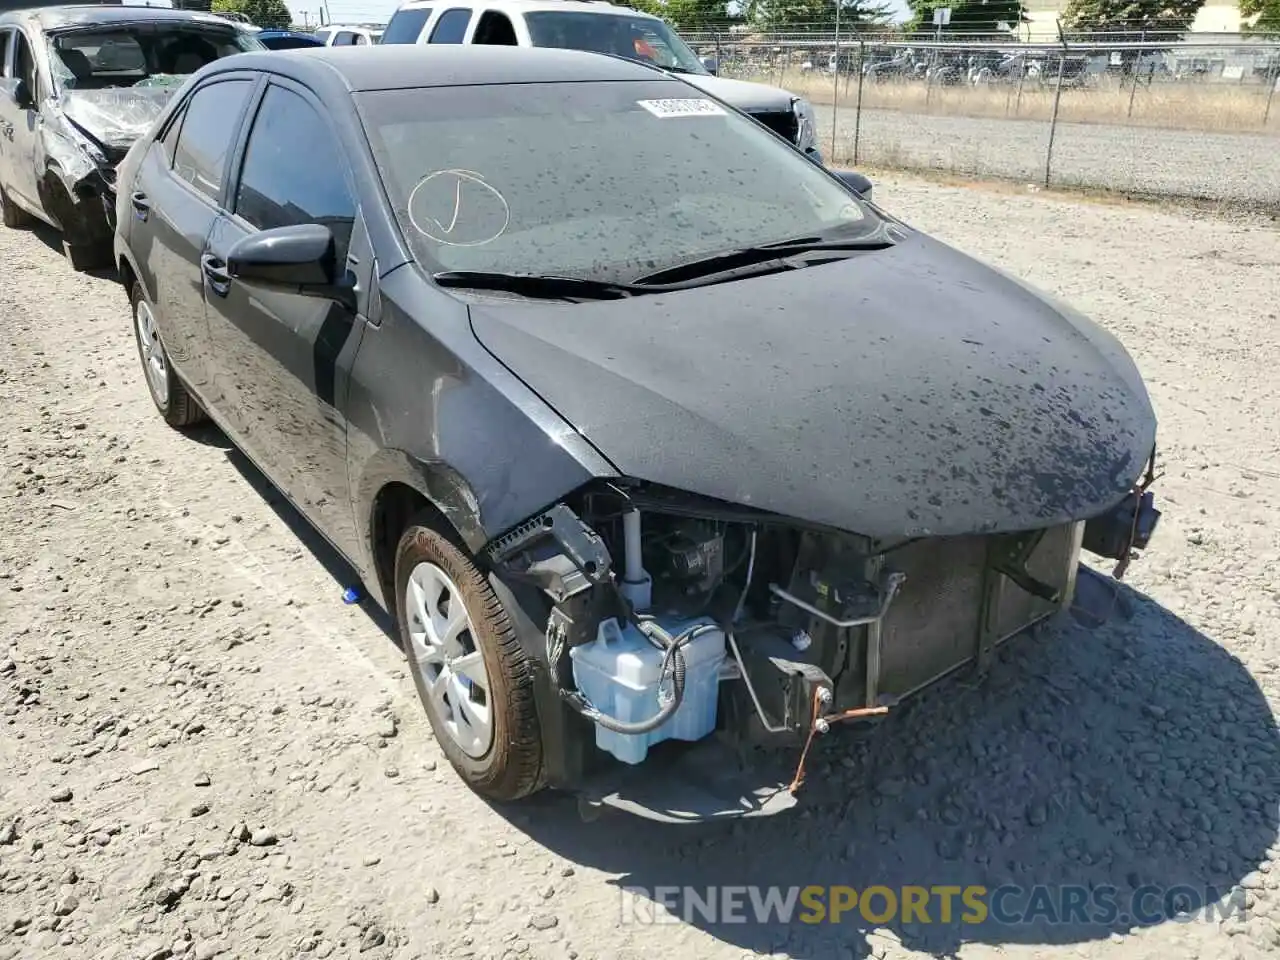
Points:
(410, 66)
(86, 15)
(544, 6)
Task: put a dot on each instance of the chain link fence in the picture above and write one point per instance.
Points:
(1192, 120)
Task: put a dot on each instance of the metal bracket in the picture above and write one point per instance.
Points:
(1009, 556)
(582, 547)
(889, 586)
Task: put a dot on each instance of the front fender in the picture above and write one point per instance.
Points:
(438, 483)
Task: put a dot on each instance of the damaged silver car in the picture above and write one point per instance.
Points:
(80, 84)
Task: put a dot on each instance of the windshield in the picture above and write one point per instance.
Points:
(637, 38)
(150, 54)
(603, 180)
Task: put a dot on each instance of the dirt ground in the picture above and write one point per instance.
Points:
(204, 753)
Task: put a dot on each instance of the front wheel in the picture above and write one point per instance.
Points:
(168, 392)
(473, 677)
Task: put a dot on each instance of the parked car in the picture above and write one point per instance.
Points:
(601, 28)
(80, 84)
(288, 40)
(343, 35)
(638, 422)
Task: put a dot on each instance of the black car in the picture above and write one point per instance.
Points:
(640, 423)
(80, 84)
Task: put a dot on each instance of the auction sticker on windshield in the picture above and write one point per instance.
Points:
(668, 109)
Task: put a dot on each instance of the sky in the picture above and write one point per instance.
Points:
(379, 11)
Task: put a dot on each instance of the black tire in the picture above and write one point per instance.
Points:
(177, 406)
(12, 215)
(84, 257)
(512, 767)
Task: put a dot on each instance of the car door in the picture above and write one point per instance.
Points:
(286, 354)
(7, 106)
(20, 126)
(175, 200)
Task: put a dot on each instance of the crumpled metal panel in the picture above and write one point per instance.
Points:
(116, 116)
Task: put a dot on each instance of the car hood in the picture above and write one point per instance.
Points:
(905, 392)
(117, 116)
(747, 97)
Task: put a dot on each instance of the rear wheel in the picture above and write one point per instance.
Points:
(12, 215)
(473, 677)
(168, 392)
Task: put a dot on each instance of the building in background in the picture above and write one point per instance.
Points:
(1214, 17)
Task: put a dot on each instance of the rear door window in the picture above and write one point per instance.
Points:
(452, 26)
(208, 127)
(6, 39)
(406, 25)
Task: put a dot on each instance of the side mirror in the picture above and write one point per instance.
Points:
(712, 65)
(19, 92)
(855, 181)
(300, 259)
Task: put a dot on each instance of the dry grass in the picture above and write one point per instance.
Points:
(1178, 106)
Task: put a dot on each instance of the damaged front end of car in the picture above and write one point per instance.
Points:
(684, 632)
(86, 134)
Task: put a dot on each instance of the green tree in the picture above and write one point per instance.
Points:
(1261, 16)
(268, 14)
(1154, 19)
(969, 16)
(690, 16)
(819, 16)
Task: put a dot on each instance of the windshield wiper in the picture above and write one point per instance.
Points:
(539, 285)
(782, 254)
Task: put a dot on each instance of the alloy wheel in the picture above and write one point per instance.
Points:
(154, 363)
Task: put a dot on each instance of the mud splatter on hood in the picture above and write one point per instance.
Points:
(906, 392)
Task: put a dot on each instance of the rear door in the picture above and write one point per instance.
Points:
(6, 103)
(287, 355)
(20, 126)
(174, 201)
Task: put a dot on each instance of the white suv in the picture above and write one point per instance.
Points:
(341, 35)
(603, 28)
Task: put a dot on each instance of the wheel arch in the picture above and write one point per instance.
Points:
(395, 489)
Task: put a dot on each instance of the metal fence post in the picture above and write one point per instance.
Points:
(857, 113)
(835, 91)
(1133, 78)
(1053, 121)
(1017, 103)
(1273, 77)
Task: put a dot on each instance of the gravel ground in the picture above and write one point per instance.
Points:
(1239, 167)
(204, 753)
